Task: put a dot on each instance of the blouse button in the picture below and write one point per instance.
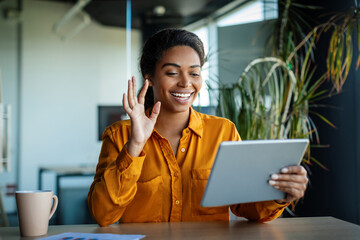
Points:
(182, 150)
(187, 131)
(176, 174)
(177, 202)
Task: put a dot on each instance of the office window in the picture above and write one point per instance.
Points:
(252, 11)
(203, 98)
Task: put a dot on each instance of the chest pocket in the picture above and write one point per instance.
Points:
(199, 179)
(147, 203)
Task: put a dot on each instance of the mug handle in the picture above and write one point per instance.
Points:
(54, 205)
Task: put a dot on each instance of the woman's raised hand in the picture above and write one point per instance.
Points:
(141, 125)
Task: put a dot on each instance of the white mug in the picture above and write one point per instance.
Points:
(35, 211)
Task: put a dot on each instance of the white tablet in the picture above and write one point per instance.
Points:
(241, 170)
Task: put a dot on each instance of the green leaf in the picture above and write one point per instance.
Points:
(323, 118)
(319, 163)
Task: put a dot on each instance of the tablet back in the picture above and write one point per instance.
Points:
(242, 169)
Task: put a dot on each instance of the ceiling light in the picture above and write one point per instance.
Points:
(159, 10)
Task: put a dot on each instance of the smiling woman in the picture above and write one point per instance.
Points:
(154, 167)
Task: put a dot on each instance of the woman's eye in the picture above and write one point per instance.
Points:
(171, 73)
(195, 74)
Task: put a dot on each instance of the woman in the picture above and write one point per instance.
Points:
(154, 167)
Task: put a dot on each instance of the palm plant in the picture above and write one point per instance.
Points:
(276, 97)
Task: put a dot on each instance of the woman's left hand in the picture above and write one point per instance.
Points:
(292, 180)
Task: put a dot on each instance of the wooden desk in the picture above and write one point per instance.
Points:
(283, 228)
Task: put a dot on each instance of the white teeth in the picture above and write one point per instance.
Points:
(184, 95)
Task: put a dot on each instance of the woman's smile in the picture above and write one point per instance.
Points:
(182, 97)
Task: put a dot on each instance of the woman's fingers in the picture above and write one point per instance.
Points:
(289, 178)
(132, 98)
(294, 170)
(133, 79)
(155, 112)
(142, 93)
(288, 187)
(288, 184)
(292, 180)
(293, 192)
(126, 105)
(130, 94)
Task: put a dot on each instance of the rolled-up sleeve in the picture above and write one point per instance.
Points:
(259, 211)
(114, 184)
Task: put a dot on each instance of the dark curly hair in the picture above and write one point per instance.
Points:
(160, 42)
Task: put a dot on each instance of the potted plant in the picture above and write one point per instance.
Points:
(276, 97)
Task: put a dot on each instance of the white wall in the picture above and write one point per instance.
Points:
(62, 85)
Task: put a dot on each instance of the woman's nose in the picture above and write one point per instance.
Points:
(185, 81)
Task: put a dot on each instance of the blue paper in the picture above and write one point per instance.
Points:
(92, 236)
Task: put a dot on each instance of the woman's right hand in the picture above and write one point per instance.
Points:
(141, 125)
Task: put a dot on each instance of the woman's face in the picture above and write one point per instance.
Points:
(177, 79)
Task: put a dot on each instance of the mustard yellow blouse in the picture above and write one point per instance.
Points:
(158, 186)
